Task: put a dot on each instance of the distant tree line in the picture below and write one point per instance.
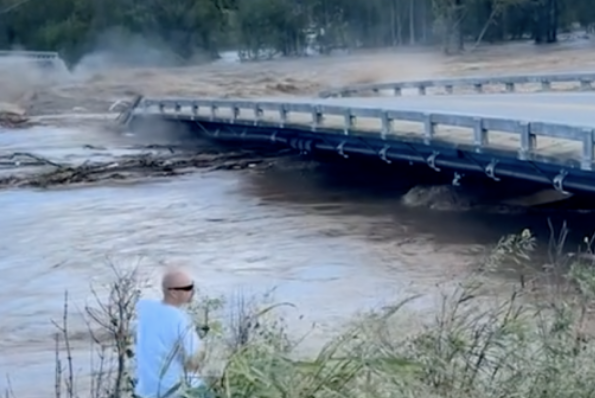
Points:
(263, 28)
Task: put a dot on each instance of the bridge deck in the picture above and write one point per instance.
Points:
(572, 108)
(543, 137)
(567, 108)
(564, 108)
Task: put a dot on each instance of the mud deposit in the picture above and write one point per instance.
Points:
(332, 240)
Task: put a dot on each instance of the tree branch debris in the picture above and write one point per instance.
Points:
(129, 167)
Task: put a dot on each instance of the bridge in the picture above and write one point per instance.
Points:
(537, 128)
(45, 59)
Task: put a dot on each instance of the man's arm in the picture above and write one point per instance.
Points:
(193, 353)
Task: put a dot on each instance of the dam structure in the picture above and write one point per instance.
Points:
(537, 128)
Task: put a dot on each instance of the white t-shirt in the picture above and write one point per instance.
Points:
(160, 329)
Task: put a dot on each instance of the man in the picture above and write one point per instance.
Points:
(169, 352)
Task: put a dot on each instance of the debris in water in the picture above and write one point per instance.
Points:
(129, 167)
(12, 116)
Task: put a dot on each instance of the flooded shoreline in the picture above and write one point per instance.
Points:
(58, 241)
(318, 238)
(329, 240)
(238, 231)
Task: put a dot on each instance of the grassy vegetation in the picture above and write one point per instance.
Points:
(523, 341)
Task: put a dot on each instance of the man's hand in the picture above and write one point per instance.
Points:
(194, 363)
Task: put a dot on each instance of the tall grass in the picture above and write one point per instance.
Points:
(519, 342)
(531, 339)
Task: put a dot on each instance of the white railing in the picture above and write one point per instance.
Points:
(481, 133)
(544, 82)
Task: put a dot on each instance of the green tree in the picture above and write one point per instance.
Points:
(264, 28)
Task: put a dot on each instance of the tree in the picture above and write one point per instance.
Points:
(284, 27)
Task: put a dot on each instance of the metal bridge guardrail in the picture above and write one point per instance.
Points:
(312, 117)
(30, 54)
(510, 83)
(46, 60)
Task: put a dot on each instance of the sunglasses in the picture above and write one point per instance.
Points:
(183, 288)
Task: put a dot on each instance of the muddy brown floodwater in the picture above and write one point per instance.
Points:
(317, 257)
(331, 242)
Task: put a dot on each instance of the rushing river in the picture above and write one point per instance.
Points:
(329, 242)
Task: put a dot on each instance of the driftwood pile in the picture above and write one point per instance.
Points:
(128, 167)
(166, 162)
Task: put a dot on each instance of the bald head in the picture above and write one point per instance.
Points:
(178, 286)
(175, 277)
